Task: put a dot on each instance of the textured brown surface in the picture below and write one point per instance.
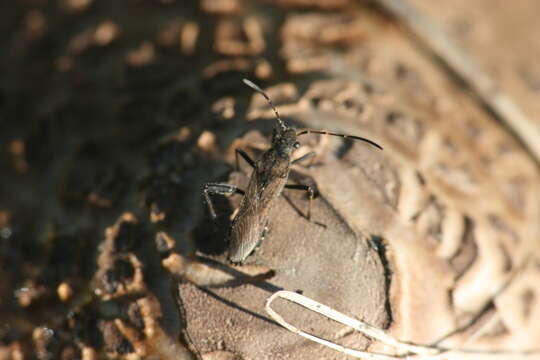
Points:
(333, 264)
(489, 31)
(113, 115)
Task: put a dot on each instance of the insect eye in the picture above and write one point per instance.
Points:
(296, 145)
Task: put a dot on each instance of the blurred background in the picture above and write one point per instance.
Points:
(113, 114)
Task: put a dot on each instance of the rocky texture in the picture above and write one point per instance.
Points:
(114, 115)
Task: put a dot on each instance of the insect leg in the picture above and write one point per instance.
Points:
(244, 156)
(310, 192)
(219, 189)
(304, 157)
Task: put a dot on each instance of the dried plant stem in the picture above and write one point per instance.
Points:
(364, 328)
(407, 350)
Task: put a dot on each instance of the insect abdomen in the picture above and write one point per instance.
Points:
(245, 236)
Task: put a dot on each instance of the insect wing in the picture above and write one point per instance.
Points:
(246, 228)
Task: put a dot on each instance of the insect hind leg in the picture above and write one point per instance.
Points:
(309, 155)
(309, 190)
(264, 232)
(222, 189)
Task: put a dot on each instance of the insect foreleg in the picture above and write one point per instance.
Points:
(310, 193)
(219, 189)
(304, 157)
(245, 157)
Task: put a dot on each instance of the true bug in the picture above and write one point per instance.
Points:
(268, 179)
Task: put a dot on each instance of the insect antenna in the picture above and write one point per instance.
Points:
(324, 132)
(261, 91)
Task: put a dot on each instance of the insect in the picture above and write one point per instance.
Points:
(268, 179)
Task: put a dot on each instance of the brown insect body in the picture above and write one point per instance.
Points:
(267, 181)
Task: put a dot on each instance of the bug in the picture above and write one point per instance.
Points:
(267, 181)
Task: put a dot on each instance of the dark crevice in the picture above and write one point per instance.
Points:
(380, 246)
(468, 252)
